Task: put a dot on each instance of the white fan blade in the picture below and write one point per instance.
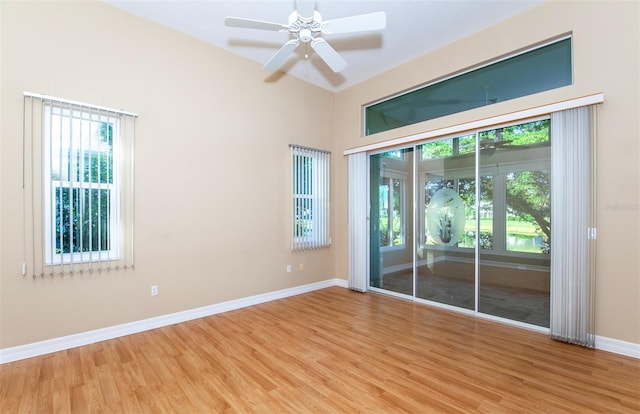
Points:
(253, 24)
(281, 55)
(359, 23)
(328, 54)
(305, 9)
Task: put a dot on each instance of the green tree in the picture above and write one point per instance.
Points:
(531, 133)
(82, 214)
(528, 192)
(528, 198)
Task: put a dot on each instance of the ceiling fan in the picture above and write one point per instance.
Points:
(489, 146)
(495, 144)
(306, 26)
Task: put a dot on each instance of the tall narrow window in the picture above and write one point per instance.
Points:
(391, 212)
(310, 189)
(81, 181)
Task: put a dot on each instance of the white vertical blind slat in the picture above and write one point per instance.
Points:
(71, 165)
(81, 167)
(308, 202)
(90, 209)
(294, 228)
(53, 198)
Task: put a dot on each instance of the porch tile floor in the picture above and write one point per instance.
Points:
(523, 305)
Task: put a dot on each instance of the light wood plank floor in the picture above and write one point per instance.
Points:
(329, 351)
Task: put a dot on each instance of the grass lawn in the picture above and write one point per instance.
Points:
(521, 235)
(515, 227)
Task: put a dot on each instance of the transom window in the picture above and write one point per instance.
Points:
(536, 70)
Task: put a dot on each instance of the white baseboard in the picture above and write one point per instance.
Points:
(618, 347)
(85, 338)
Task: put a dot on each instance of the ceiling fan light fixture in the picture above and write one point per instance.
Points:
(305, 36)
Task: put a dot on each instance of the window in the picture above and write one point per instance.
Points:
(391, 211)
(79, 170)
(520, 157)
(395, 154)
(310, 189)
(450, 147)
(528, 205)
(537, 70)
(80, 186)
(513, 211)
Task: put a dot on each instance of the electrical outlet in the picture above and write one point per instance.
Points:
(288, 268)
(301, 267)
(154, 290)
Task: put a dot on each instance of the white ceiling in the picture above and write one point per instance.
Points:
(414, 28)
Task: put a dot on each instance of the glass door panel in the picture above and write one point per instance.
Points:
(514, 275)
(391, 221)
(445, 227)
(465, 221)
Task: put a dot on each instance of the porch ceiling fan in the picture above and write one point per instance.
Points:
(495, 144)
(306, 26)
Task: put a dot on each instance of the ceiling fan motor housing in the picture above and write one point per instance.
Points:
(304, 29)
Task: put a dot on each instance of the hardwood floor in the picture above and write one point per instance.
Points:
(329, 351)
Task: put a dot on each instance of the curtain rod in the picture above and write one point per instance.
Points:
(68, 101)
(593, 99)
(308, 148)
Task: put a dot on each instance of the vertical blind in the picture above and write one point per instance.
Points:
(310, 171)
(358, 221)
(572, 310)
(78, 187)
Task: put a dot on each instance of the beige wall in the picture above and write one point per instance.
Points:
(606, 59)
(212, 167)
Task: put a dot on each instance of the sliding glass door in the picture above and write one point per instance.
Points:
(391, 221)
(446, 221)
(464, 222)
(514, 271)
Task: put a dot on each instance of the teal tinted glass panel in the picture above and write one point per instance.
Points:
(538, 70)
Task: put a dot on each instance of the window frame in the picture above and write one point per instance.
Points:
(51, 257)
(402, 177)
